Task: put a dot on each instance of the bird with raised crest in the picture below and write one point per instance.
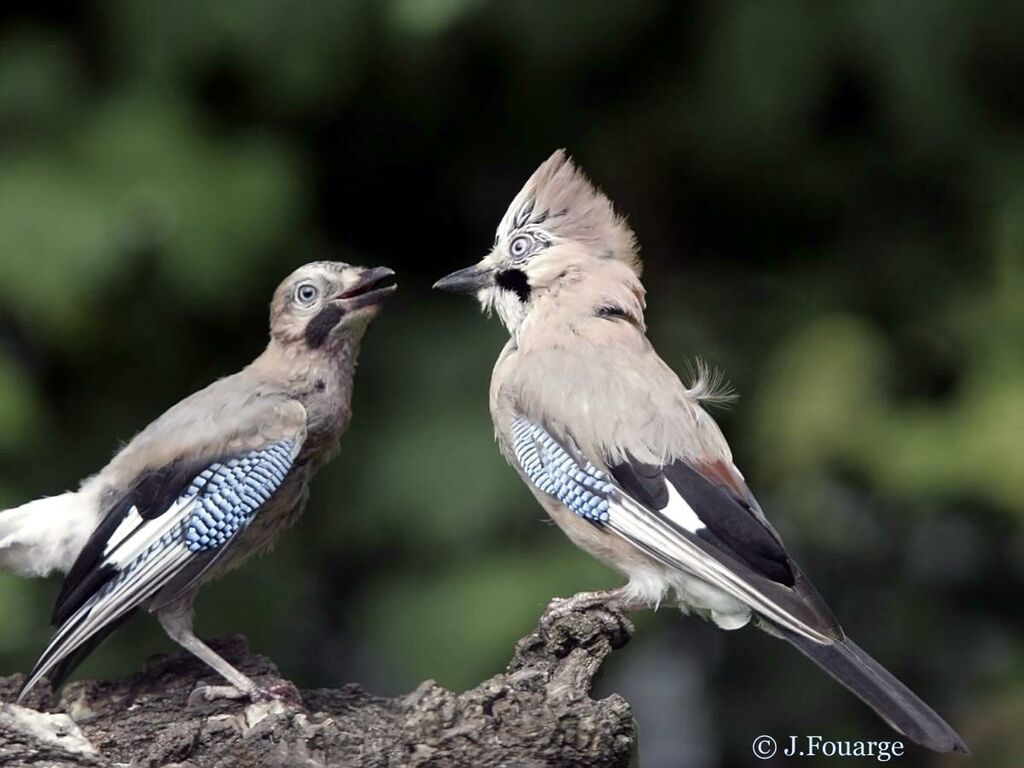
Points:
(624, 457)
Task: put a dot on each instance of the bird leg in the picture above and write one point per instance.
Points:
(176, 619)
(614, 599)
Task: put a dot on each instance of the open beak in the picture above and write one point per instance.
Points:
(467, 281)
(370, 289)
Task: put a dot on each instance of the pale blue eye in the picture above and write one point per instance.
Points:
(307, 293)
(520, 246)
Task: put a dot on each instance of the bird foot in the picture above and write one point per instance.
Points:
(286, 693)
(560, 607)
(207, 693)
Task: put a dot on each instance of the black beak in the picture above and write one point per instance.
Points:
(468, 281)
(369, 289)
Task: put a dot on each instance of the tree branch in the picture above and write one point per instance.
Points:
(537, 712)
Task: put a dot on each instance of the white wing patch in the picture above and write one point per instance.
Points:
(135, 535)
(680, 512)
(131, 521)
(653, 535)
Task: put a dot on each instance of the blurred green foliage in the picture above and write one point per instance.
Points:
(830, 198)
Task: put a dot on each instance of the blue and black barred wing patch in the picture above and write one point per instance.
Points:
(681, 519)
(552, 469)
(161, 536)
(227, 495)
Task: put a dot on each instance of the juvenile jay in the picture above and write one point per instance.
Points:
(211, 482)
(622, 455)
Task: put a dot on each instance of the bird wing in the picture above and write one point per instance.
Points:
(168, 529)
(696, 518)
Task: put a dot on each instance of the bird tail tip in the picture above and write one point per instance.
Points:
(900, 707)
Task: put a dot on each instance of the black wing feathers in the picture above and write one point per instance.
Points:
(731, 524)
(87, 575)
(62, 671)
(643, 482)
(197, 565)
(151, 495)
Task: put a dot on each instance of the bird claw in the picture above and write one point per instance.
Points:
(559, 607)
(206, 693)
(286, 693)
(556, 609)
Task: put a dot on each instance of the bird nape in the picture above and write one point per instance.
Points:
(212, 481)
(621, 453)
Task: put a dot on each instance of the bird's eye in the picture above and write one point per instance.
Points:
(520, 246)
(306, 294)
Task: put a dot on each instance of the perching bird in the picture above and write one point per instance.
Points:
(212, 481)
(622, 455)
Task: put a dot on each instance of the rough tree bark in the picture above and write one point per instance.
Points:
(538, 712)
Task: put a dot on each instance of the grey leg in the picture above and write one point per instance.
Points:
(176, 619)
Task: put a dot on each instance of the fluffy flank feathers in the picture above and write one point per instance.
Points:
(46, 535)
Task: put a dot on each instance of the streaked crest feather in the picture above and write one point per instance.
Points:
(560, 199)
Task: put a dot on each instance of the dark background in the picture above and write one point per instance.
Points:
(830, 200)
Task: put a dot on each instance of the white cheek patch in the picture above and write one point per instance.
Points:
(509, 308)
(486, 297)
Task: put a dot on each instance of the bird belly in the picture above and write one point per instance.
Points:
(594, 540)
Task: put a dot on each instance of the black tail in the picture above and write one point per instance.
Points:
(876, 687)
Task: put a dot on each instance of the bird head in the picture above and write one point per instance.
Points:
(559, 239)
(325, 301)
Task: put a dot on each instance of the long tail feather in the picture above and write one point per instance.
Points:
(878, 688)
(46, 535)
